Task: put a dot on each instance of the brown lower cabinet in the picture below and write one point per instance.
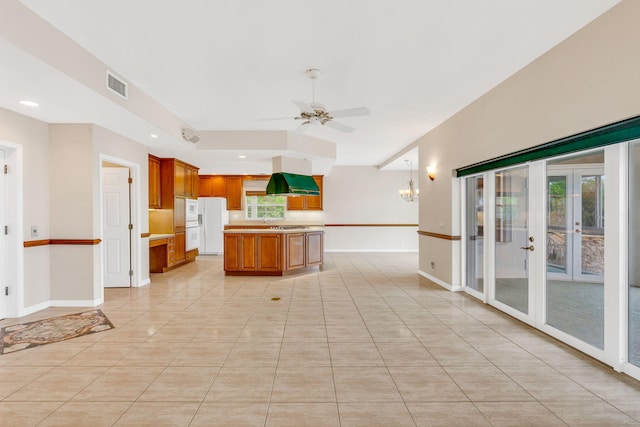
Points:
(171, 254)
(314, 248)
(180, 254)
(269, 253)
(161, 254)
(295, 250)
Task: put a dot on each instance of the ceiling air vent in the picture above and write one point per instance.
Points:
(116, 85)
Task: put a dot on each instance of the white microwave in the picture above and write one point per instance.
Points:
(191, 213)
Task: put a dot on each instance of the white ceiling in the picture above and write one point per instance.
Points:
(227, 64)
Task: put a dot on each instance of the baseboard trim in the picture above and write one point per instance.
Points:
(144, 282)
(33, 308)
(58, 303)
(440, 282)
(77, 303)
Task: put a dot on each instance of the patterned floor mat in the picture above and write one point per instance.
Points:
(55, 329)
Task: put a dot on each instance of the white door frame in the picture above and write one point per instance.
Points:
(15, 239)
(136, 255)
(3, 249)
(464, 245)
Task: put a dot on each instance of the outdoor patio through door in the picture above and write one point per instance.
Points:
(575, 247)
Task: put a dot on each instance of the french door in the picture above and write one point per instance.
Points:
(556, 244)
(513, 242)
(540, 236)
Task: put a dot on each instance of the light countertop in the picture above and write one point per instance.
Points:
(159, 236)
(276, 230)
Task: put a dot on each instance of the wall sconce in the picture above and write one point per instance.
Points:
(431, 172)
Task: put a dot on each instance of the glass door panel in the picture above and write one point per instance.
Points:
(590, 226)
(475, 233)
(575, 247)
(558, 222)
(512, 245)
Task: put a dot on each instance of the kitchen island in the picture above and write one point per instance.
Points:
(274, 251)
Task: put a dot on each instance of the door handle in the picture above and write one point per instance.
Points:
(527, 248)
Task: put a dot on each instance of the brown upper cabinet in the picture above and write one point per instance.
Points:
(230, 187)
(154, 182)
(213, 186)
(179, 176)
(307, 203)
(234, 193)
(192, 183)
(227, 186)
(177, 179)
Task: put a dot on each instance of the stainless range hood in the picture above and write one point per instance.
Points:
(291, 184)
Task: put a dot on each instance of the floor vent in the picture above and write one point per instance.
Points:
(116, 85)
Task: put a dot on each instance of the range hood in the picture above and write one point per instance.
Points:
(291, 184)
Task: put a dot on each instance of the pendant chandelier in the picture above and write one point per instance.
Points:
(410, 194)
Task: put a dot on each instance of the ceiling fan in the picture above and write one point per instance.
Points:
(314, 113)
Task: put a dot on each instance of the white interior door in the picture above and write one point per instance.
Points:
(3, 238)
(116, 227)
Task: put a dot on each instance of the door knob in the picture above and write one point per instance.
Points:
(577, 230)
(527, 248)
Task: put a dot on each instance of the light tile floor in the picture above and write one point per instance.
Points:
(364, 342)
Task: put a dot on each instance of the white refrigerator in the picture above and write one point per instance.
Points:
(212, 216)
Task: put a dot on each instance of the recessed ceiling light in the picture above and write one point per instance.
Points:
(242, 156)
(29, 103)
(153, 135)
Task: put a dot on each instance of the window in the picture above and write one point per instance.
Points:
(261, 206)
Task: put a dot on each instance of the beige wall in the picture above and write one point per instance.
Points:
(60, 187)
(589, 80)
(71, 181)
(368, 195)
(72, 212)
(75, 164)
(33, 137)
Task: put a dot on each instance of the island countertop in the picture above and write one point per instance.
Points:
(276, 230)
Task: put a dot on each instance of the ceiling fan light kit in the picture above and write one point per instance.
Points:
(314, 113)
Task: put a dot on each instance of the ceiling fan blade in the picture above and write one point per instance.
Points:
(304, 107)
(339, 126)
(349, 112)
